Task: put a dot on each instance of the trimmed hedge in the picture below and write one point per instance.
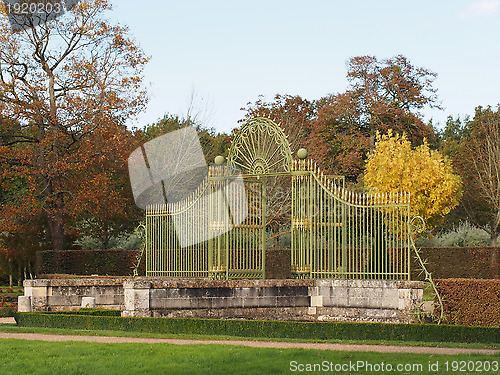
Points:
(471, 302)
(459, 262)
(268, 329)
(87, 311)
(88, 262)
(446, 262)
(119, 263)
(443, 262)
(278, 264)
(98, 312)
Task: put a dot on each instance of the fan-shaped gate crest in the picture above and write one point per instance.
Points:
(261, 147)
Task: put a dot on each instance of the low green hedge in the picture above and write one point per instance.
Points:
(98, 312)
(267, 329)
(87, 311)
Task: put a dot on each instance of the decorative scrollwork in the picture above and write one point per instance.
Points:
(260, 147)
(417, 225)
(421, 315)
(141, 233)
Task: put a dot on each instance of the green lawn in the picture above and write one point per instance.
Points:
(60, 331)
(38, 357)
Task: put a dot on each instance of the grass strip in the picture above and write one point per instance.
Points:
(13, 328)
(268, 329)
(38, 357)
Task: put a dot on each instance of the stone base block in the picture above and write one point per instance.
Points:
(88, 302)
(136, 314)
(24, 304)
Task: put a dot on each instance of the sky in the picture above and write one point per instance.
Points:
(220, 55)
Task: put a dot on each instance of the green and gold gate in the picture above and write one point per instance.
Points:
(228, 250)
(335, 233)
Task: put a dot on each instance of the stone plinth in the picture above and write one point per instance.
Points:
(327, 300)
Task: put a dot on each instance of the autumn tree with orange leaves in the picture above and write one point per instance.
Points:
(292, 113)
(383, 94)
(66, 88)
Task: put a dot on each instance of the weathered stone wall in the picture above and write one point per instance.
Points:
(367, 300)
(349, 300)
(67, 294)
(262, 299)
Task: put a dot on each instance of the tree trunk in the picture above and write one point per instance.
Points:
(56, 227)
(494, 239)
(55, 214)
(105, 237)
(30, 271)
(495, 266)
(10, 273)
(19, 275)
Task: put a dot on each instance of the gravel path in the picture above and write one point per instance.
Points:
(253, 344)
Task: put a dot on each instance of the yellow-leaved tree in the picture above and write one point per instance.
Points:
(394, 166)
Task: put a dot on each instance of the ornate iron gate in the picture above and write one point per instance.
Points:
(340, 234)
(231, 250)
(335, 233)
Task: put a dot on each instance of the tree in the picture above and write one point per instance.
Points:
(18, 250)
(22, 229)
(103, 203)
(394, 166)
(59, 82)
(338, 141)
(383, 94)
(391, 92)
(292, 113)
(212, 143)
(478, 160)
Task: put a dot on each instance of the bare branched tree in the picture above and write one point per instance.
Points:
(481, 159)
(60, 81)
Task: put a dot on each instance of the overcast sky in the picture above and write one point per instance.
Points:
(229, 52)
